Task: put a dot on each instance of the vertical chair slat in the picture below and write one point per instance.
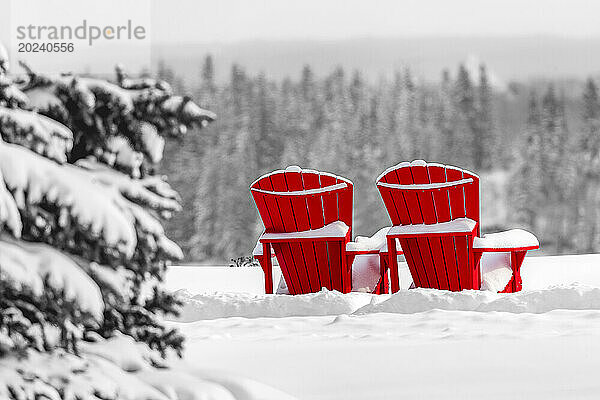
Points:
(330, 201)
(293, 253)
(419, 248)
(431, 254)
(304, 254)
(274, 216)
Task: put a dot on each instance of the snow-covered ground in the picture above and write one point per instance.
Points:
(542, 343)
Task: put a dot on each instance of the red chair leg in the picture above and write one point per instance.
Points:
(516, 283)
(384, 283)
(267, 267)
(393, 265)
(349, 261)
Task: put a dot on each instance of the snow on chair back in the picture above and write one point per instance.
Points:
(419, 193)
(295, 200)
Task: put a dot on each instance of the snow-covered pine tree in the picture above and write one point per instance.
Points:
(82, 248)
(588, 167)
(528, 188)
(484, 140)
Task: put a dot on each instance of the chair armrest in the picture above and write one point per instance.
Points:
(458, 226)
(512, 240)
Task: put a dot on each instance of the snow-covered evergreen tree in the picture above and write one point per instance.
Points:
(484, 140)
(82, 247)
(588, 167)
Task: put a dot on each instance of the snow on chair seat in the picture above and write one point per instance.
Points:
(308, 221)
(435, 212)
(506, 241)
(336, 229)
(459, 225)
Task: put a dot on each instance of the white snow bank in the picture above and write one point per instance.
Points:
(224, 305)
(120, 368)
(27, 264)
(506, 240)
(570, 297)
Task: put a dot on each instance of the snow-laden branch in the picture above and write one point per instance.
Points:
(31, 265)
(9, 212)
(70, 196)
(36, 132)
(152, 192)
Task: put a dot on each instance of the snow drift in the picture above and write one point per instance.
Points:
(224, 305)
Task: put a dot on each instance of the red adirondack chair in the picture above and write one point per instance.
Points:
(308, 226)
(435, 212)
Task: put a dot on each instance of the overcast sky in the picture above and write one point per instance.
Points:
(235, 20)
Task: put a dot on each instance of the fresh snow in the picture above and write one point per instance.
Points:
(336, 229)
(506, 240)
(419, 343)
(104, 203)
(153, 143)
(65, 185)
(456, 225)
(120, 368)
(9, 212)
(54, 140)
(364, 243)
(27, 264)
(42, 99)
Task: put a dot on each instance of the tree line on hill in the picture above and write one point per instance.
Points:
(544, 141)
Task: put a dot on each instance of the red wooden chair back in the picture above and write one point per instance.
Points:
(295, 200)
(414, 193)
